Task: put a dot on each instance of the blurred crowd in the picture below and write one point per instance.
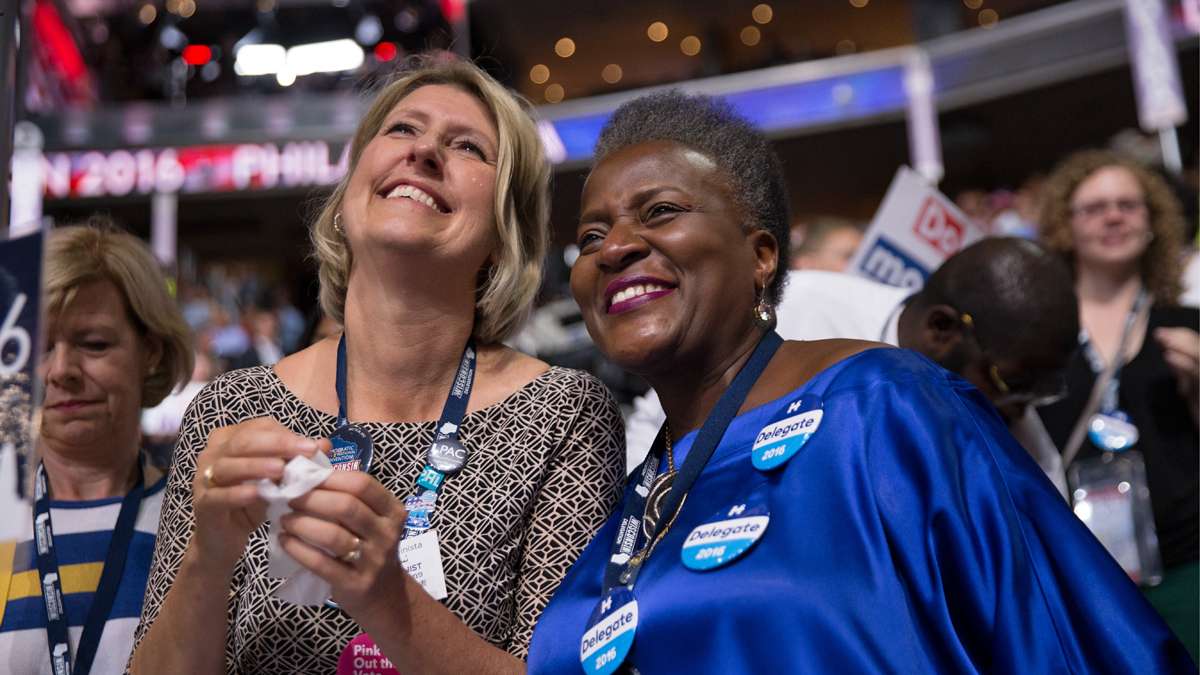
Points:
(1036, 429)
(240, 319)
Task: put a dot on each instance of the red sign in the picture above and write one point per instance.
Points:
(939, 228)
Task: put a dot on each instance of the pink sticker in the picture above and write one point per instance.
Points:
(363, 657)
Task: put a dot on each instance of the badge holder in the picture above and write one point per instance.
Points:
(609, 635)
(1109, 493)
(352, 450)
(1111, 497)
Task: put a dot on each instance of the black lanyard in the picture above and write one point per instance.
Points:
(446, 455)
(623, 567)
(1109, 402)
(106, 592)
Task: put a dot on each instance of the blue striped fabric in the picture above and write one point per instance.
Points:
(82, 535)
(28, 612)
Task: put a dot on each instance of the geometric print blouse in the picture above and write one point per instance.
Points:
(546, 467)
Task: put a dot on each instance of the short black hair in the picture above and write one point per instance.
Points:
(710, 126)
(1020, 295)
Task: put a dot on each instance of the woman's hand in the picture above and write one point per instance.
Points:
(1181, 350)
(228, 508)
(346, 532)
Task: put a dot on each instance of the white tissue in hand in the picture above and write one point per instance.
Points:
(300, 476)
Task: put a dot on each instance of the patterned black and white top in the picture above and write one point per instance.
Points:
(545, 469)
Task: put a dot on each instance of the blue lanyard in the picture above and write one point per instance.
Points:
(1109, 402)
(623, 566)
(106, 591)
(446, 455)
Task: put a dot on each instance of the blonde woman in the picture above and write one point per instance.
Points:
(430, 253)
(115, 344)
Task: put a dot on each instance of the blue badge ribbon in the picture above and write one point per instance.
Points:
(1109, 402)
(106, 591)
(446, 455)
(623, 567)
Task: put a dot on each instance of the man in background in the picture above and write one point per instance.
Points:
(825, 243)
(1001, 313)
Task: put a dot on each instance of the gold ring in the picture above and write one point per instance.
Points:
(355, 554)
(208, 476)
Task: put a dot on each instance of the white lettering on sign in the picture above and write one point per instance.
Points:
(121, 176)
(884, 265)
(937, 227)
(57, 171)
(91, 182)
(915, 229)
(11, 333)
(198, 169)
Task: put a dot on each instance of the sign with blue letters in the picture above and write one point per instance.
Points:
(915, 229)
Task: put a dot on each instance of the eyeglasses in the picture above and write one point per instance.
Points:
(1042, 392)
(1099, 207)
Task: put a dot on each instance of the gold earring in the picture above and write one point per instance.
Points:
(764, 312)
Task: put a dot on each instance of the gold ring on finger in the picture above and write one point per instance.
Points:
(355, 554)
(208, 476)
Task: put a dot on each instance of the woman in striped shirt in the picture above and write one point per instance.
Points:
(72, 586)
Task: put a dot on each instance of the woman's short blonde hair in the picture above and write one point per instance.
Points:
(1162, 262)
(81, 254)
(522, 202)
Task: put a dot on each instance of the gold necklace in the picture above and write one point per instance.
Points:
(660, 489)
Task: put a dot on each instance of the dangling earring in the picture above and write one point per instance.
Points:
(764, 312)
(337, 224)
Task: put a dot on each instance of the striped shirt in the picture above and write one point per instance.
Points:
(82, 532)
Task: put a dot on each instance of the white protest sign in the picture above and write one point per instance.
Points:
(1155, 71)
(913, 232)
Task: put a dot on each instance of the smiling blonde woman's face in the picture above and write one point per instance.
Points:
(426, 181)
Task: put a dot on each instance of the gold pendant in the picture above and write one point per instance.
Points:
(654, 501)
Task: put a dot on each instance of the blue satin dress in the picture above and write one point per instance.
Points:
(911, 534)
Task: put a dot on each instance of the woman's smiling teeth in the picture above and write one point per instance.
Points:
(634, 292)
(414, 193)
